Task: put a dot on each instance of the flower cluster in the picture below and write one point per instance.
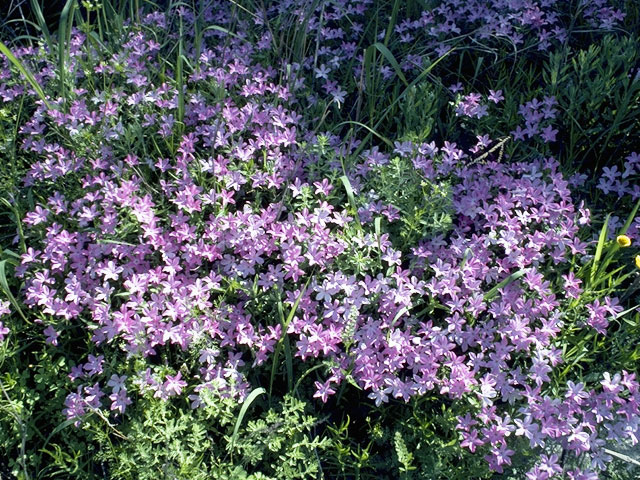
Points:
(535, 113)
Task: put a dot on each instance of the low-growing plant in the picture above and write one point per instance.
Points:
(292, 240)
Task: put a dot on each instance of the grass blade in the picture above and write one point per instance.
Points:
(377, 225)
(287, 351)
(224, 30)
(622, 456)
(511, 278)
(392, 22)
(285, 326)
(347, 186)
(180, 79)
(386, 111)
(630, 218)
(610, 256)
(16, 213)
(610, 275)
(601, 241)
(392, 60)
(245, 406)
(288, 362)
(64, 40)
(366, 127)
(350, 196)
(304, 375)
(42, 24)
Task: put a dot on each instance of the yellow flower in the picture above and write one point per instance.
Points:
(623, 241)
(638, 261)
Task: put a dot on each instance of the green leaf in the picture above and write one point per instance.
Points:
(350, 196)
(630, 218)
(392, 60)
(245, 406)
(64, 42)
(511, 278)
(601, 241)
(285, 326)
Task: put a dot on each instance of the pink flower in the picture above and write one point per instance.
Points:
(470, 440)
(174, 385)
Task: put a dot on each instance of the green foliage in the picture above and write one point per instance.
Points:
(405, 458)
(408, 441)
(350, 457)
(11, 171)
(161, 441)
(165, 440)
(425, 204)
(610, 272)
(599, 91)
(282, 443)
(421, 109)
(427, 444)
(31, 400)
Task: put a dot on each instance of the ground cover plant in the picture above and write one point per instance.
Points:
(335, 239)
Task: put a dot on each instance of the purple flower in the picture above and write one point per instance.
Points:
(4, 308)
(323, 390)
(74, 406)
(119, 400)
(379, 396)
(77, 371)
(530, 430)
(549, 134)
(52, 336)
(598, 317)
(117, 383)
(496, 96)
(498, 457)
(174, 385)
(94, 365)
(93, 396)
(3, 331)
(470, 440)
